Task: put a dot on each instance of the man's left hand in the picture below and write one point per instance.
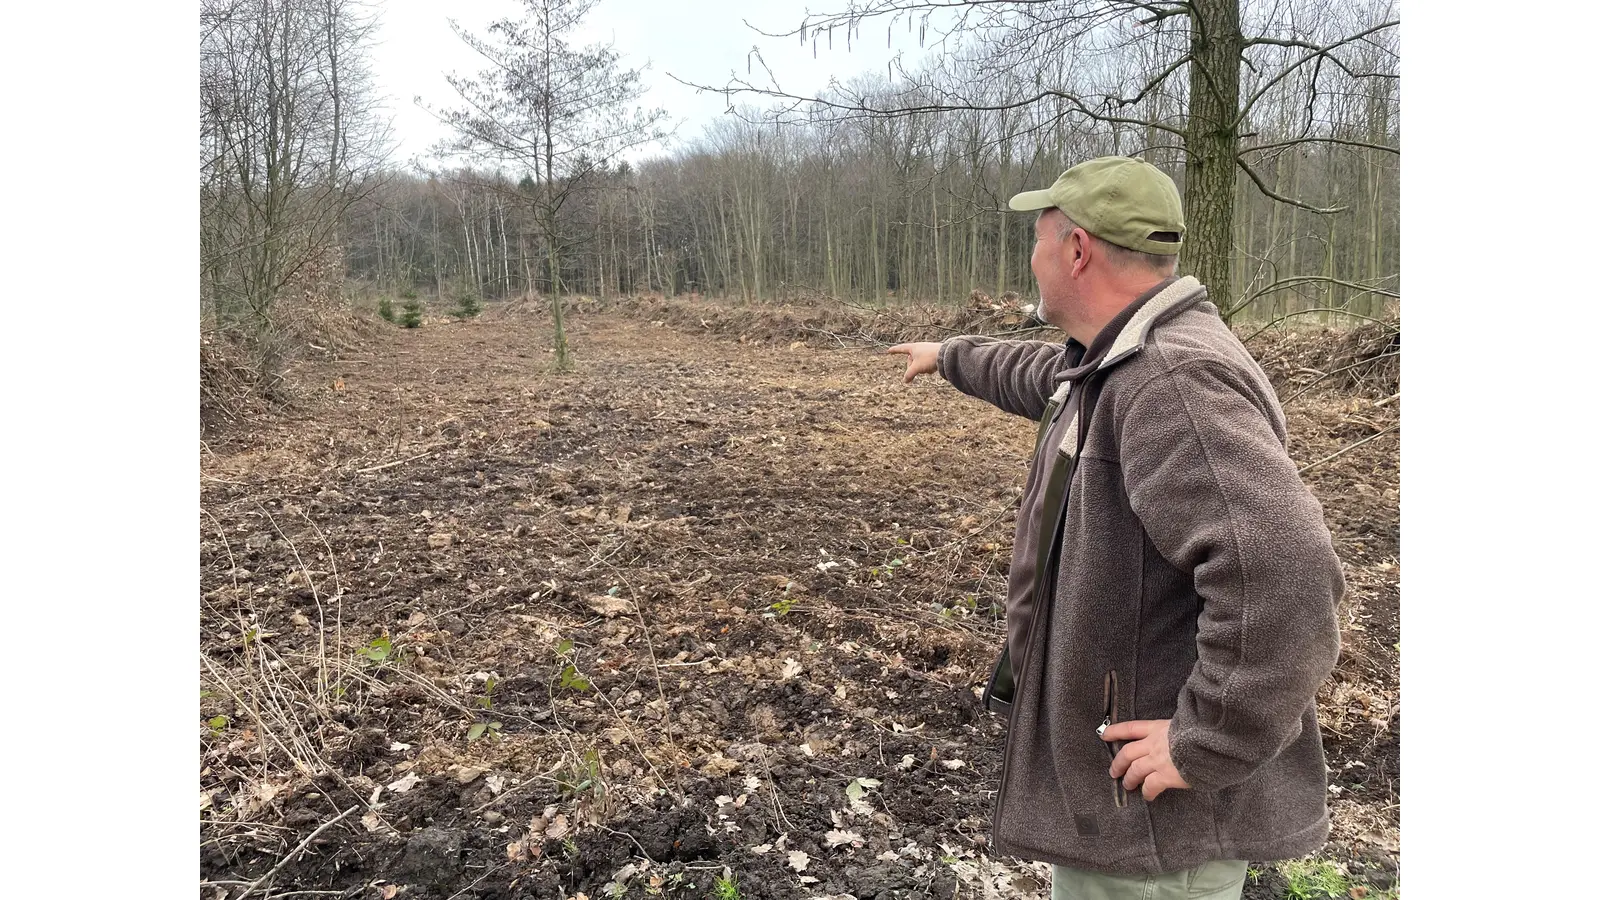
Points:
(1146, 760)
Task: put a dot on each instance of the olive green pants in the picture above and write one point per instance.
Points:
(1221, 879)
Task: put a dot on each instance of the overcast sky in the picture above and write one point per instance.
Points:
(703, 42)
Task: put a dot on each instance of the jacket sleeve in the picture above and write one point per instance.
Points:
(1214, 487)
(1017, 376)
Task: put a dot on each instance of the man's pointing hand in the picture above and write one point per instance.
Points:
(924, 358)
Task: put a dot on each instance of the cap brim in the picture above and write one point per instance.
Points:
(1031, 200)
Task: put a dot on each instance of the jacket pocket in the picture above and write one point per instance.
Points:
(1119, 795)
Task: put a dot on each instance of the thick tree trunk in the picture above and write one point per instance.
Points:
(1212, 143)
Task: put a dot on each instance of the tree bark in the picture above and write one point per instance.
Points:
(1212, 145)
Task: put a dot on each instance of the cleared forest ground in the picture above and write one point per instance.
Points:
(701, 608)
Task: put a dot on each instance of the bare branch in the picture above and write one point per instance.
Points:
(1262, 186)
(854, 15)
(1156, 82)
(1296, 281)
(1317, 54)
(860, 110)
(1320, 140)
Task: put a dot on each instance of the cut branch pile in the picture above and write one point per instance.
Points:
(1363, 361)
(229, 394)
(833, 324)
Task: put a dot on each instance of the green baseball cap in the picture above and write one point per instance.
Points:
(1117, 198)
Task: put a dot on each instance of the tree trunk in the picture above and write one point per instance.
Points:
(972, 242)
(556, 312)
(527, 269)
(877, 259)
(438, 261)
(1294, 214)
(1005, 178)
(1211, 144)
(938, 269)
(827, 238)
(505, 250)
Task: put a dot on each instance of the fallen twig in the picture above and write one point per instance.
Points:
(1342, 451)
(642, 851)
(479, 880)
(531, 780)
(772, 788)
(398, 462)
(267, 878)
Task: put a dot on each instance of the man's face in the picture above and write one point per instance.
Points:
(1052, 266)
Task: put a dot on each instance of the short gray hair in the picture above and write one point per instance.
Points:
(1121, 257)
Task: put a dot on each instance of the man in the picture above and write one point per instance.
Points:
(1170, 614)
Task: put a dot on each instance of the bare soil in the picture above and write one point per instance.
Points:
(707, 606)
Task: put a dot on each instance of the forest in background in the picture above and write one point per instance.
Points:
(888, 186)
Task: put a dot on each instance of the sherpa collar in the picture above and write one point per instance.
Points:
(1175, 297)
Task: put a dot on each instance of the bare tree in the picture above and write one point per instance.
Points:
(788, 203)
(289, 138)
(561, 112)
(1187, 95)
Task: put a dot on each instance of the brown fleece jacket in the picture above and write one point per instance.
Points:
(1197, 582)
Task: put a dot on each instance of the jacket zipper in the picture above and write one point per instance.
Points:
(1119, 795)
(1052, 411)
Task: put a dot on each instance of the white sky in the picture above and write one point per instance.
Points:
(704, 42)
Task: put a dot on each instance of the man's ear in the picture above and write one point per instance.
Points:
(1077, 251)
